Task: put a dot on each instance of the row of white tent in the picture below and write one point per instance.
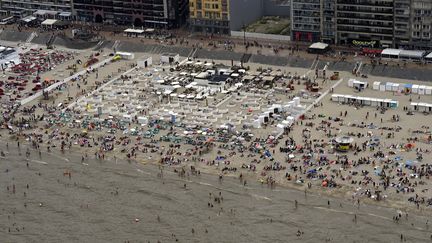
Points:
(388, 103)
(414, 55)
(421, 107)
(292, 106)
(407, 88)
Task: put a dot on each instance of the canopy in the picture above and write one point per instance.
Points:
(45, 12)
(429, 56)
(391, 52)
(412, 54)
(28, 19)
(134, 31)
(49, 22)
(65, 14)
(318, 46)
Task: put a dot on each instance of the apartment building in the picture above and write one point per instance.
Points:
(365, 20)
(150, 13)
(306, 20)
(210, 16)
(47, 8)
(368, 23)
(421, 23)
(222, 16)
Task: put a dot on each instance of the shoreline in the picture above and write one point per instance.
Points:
(335, 193)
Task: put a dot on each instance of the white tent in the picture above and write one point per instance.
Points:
(411, 55)
(49, 23)
(390, 53)
(133, 31)
(428, 58)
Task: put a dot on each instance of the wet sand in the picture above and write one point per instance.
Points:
(103, 200)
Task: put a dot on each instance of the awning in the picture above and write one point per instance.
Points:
(134, 31)
(412, 54)
(65, 14)
(45, 12)
(391, 52)
(371, 51)
(49, 22)
(318, 46)
(28, 19)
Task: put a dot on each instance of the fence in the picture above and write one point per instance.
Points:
(260, 36)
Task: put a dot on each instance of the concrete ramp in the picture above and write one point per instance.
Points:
(41, 39)
(15, 36)
(73, 44)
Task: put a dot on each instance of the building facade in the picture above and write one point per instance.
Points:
(306, 20)
(364, 20)
(368, 23)
(420, 23)
(150, 13)
(22, 8)
(222, 16)
(210, 16)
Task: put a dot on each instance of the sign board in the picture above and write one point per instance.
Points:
(364, 43)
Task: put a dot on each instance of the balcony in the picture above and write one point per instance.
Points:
(364, 30)
(381, 3)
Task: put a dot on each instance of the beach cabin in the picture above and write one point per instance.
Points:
(415, 88)
(428, 90)
(169, 58)
(145, 62)
(415, 56)
(376, 85)
(395, 87)
(367, 101)
(390, 53)
(421, 107)
(422, 90)
(358, 85)
(375, 102)
(382, 87)
(127, 118)
(335, 97)
(388, 86)
(142, 120)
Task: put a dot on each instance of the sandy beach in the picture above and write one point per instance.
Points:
(69, 174)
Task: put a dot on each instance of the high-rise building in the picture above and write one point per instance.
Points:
(369, 23)
(421, 23)
(211, 16)
(306, 20)
(22, 8)
(151, 13)
(364, 20)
